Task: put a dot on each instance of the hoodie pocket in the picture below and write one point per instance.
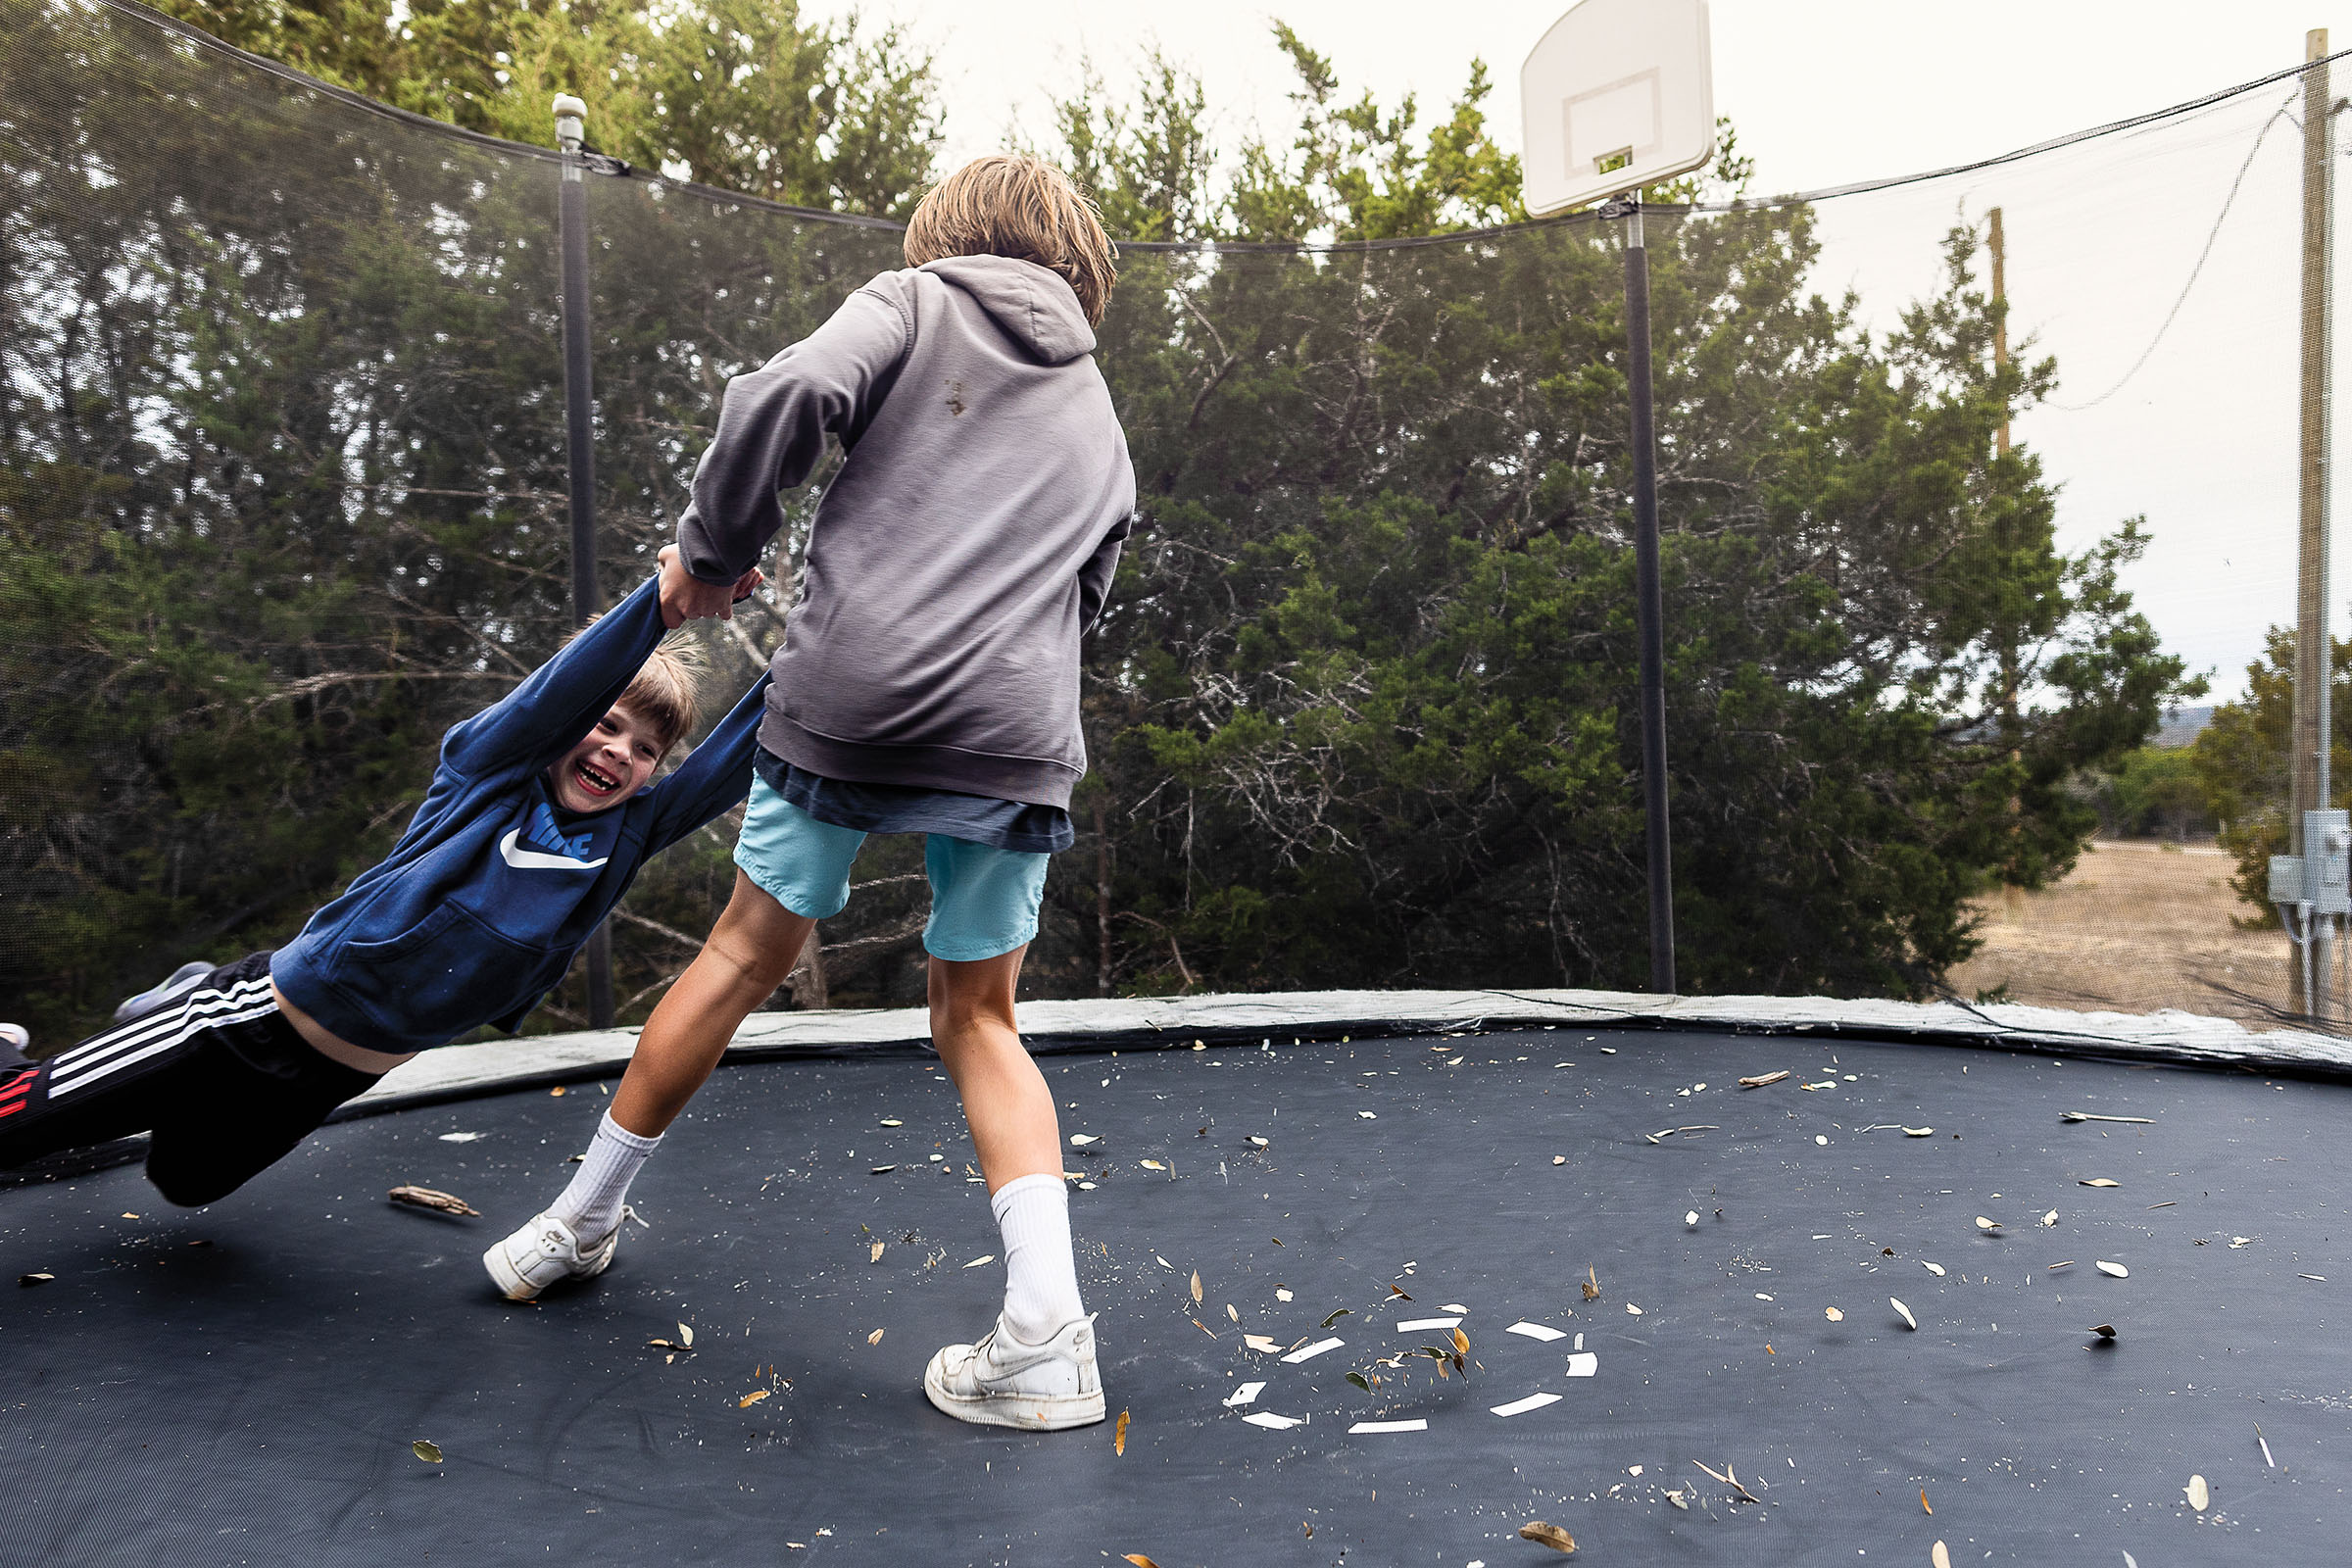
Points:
(443, 977)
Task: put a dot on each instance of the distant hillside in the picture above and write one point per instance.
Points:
(2180, 727)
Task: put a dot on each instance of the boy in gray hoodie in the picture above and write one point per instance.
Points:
(928, 684)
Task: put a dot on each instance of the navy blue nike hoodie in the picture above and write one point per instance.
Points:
(477, 911)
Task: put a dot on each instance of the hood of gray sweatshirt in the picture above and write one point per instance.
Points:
(965, 547)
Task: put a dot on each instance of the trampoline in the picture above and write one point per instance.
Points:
(245, 1384)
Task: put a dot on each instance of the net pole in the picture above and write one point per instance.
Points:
(2313, 729)
(1650, 606)
(579, 433)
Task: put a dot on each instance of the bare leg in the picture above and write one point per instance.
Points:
(749, 952)
(1004, 1096)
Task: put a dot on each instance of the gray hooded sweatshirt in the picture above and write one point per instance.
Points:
(964, 549)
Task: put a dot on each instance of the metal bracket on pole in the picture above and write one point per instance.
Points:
(580, 441)
(1649, 607)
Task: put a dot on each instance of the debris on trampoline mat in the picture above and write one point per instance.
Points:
(1413, 1369)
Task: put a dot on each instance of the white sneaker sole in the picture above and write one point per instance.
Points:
(514, 1288)
(1032, 1412)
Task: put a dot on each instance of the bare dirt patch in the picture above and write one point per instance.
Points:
(2139, 924)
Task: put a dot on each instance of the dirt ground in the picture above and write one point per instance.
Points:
(2140, 924)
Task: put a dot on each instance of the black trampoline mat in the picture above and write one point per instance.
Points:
(254, 1398)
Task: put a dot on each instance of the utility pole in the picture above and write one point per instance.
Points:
(579, 443)
(2013, 896)
(2309, 883)
(1999, 244)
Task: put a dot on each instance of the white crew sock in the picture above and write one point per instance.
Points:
(591, 1206)
(1040, 1278)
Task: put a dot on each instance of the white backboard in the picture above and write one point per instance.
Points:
(1619, 94)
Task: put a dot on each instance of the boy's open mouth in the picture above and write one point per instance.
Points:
(593, 782)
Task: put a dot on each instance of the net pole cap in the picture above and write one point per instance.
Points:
(571, 121)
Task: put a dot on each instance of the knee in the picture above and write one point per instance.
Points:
(191, 1188)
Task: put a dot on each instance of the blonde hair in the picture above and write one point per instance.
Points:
(1003, 205)
(667, 691)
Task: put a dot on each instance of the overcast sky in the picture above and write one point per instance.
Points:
(1829, 91)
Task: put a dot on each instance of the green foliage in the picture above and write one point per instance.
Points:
(2241, 761)
(736, 93)
(2156, 790)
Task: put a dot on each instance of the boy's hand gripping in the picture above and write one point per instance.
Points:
(686, 597)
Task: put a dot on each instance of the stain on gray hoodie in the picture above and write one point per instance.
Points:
(967, 545)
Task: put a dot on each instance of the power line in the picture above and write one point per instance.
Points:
(2210, 235)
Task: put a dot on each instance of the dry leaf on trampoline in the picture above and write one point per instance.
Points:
(1923, 1500)
(2116, 1269)
(1232, 1312)
(35, 1279)
(1257, 1142)
(984, 1258)
(1762, 1079)
(2051, 1218)
(432, 1198)
(751, 1398)
(2099, 1181)
(1904, 1311)
(877, 1255)
(1261, 1344)
(874, 1338)
(1592, 1285)
(1281, 1293)
(1832, 1314)
(429, 1452)
(1919, 1132)
(2200, 1495)
(1343, 1311)
(1080, 1139)
(1632, 1309)
(1547, 1535)
(1196, 1286)
(1936, 1269)
(891, 1121)
(1938, 1556)
(1987, 1226)
(1153, 1164)
(1118, 1437)
(685, 1338)
(2105, 1331)
(1139, 1560)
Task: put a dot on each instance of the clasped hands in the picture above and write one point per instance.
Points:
(686, 597)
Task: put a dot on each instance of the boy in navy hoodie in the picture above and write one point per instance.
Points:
(537, 820)
(928, 684)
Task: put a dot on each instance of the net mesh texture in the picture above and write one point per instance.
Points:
(281, 470)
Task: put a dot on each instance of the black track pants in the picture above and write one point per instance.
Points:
(217, 1075)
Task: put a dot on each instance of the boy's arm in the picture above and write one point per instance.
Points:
(772, 426)
(1095, 577)
(543, 717)
(715, 780)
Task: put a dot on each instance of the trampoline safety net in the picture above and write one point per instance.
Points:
(1966, 482)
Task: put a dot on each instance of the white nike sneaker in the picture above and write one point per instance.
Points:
(1002, 1382)
(542, 1253)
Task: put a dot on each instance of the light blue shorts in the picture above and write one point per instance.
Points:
(983, 900)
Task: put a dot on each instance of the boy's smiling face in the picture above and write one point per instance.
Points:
(615, 762)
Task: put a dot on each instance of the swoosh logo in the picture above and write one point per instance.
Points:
(535, 861)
